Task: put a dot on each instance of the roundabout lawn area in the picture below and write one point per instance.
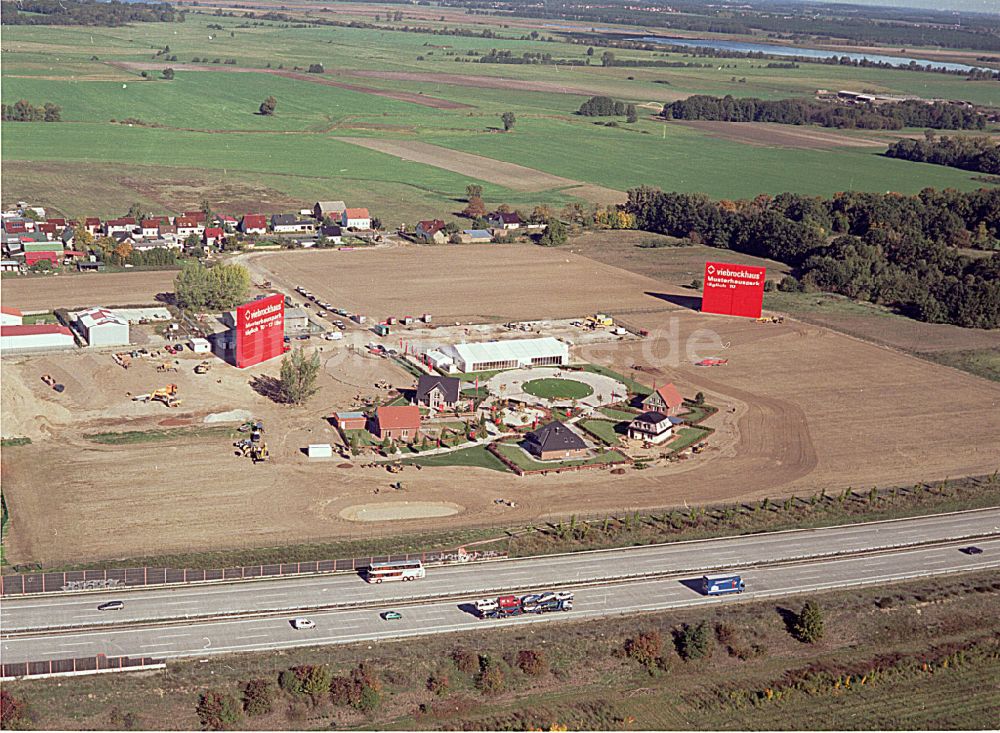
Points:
(558, 389)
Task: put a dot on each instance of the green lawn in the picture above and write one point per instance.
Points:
(686, 437)
(477, 457)
(617, 414)
(607, 431)
(558, 389)
(520, 458)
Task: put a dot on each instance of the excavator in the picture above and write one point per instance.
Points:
(167, 395)
(254, 447)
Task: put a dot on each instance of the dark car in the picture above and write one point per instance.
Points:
(111, 606)
(972, 550)
(304, 337)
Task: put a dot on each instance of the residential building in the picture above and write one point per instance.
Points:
(651, 427)
(285, 223)
(356, 219)
(504, 220)
(125, 224)
(214, 236)
(401, 423)
(150, 228)
(555, 442)
(432, 231)
(254, 224)
(331, 233)
(438, 393)
(102, 327)
(329, 209)
(511, 354)
(665, 399)
(186, 226)
(93, 225)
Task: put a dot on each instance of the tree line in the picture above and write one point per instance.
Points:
(969, 153)
(888, 116)
(889, 249)
(608, 107)
(24, 111)
(87, 12)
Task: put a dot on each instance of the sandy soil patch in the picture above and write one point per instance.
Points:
(412, 97)
(509, 175)
(395, 510)
(910, 335)
(768, 134)
(478, 283)
(87, 289)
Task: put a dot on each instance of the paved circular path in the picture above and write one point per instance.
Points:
(508, 385)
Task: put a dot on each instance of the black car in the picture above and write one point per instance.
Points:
(111, 606)
(972, 550)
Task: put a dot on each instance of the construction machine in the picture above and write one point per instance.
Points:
(202, 368)
(123, 359)
(167, 395)
(166, 367)
(254, 447)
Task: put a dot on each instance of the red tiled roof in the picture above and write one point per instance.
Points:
(150, 223)
(393, 418)
(431, 226)
(214, 232)
(92, 221)
(15, 227)
(57, 222)
(357, 213)
(124, 221)
(198, 216)
(254, 221)
(10, 311)
(34, 330)
(185, 221)
(671, 397)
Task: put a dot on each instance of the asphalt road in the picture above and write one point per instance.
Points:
(199, 639)
(326, 591)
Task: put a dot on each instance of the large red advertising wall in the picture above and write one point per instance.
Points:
(260, 330)
(733, 290)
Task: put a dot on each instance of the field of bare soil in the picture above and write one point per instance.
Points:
(801, 408)
(87, 289)
(768, 134)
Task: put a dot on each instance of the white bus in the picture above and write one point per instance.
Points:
(398, 570)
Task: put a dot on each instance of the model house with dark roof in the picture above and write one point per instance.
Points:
(665, 399)
(438, 393)
(554, 442)
(651, 427)
(504, 220)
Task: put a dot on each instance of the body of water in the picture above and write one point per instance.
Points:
(775, 50)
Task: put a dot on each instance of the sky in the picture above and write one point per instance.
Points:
(978, 6)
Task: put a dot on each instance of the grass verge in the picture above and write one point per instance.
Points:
(152, 436)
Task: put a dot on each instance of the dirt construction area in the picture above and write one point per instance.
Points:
(772, 134)
(87, 289)
(801, 408)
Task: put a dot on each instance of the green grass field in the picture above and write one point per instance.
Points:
(476, 456)
(558, 389)
(204, 122)
(522, 460)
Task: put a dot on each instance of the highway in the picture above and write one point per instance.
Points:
(342, 626)
(40, 612)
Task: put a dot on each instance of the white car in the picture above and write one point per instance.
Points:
(564, 595)
(303, 623)
(486, 604)
(334, 336)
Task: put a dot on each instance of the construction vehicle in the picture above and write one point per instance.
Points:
(508, 606)
(202, 368)
(771, 319)
(600, 320)
(711, 362)
(123, 359)
(166, 366)
(51, 382)
(254, 447)
(167, 395)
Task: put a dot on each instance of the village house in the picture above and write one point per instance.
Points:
(92, 224)
(437, 393)
(125, 224)
(49, 230)
(198, 216)
(555, 441)
(323, 210)
(226, 221)
(284, 223)
(400, 423)
(331, 233)
(651, 427)
(504, 220)
(186, 226)
(214, 236)
(254, 224)
(432, 231)
(150, 228)
(665, 399)
(356, 219)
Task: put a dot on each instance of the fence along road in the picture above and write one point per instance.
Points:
(200, 638)
(37, 613)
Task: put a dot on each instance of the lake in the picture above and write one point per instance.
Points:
(776, 50)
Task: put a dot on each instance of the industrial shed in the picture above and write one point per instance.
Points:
(102, 327)
(490, 355)
(39, 337)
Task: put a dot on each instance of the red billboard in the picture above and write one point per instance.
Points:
(733, 290)
(260, 330)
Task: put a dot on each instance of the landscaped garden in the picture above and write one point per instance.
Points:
(558, 389)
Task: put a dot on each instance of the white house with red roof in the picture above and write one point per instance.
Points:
(150, 228)
(254, 224)
(214, 236)
(125, 224)
(102, 327)
(356, 219)
(665, 399)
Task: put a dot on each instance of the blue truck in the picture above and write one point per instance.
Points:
(718, 585)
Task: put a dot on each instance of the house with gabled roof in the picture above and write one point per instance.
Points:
(356, 219)
(92, 224)
(186, 226)
(214, 236)
(665, 399)
(651, 427)
(504, 220)
(150, 228)
(555, 441)
(124, 224)
(254, 224)
(432, 230)
(401, 422)
(437, 393)
(332, 209)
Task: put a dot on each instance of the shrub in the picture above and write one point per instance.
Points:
(789, 284)
(645, 648)
(492, 679)
(122, 720)
(258, 697)
(217, 710)
(361, 689)
(693, 642)
(13, 712)
(439, 684)
(808, 626)
(466, 661)
(532, 663)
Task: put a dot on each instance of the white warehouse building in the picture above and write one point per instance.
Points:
(38, 337)
(102, 327)
(490, 355)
